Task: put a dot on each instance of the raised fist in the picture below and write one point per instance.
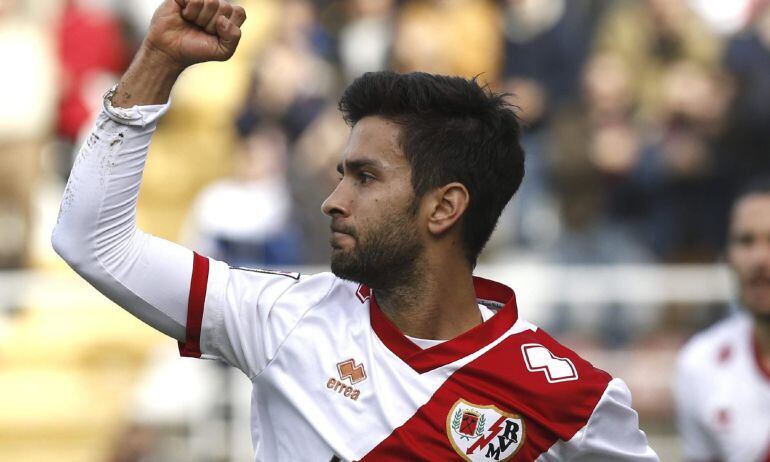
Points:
(194, 31)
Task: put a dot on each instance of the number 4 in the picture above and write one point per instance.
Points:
(539, 358)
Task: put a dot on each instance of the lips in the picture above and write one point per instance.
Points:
(341, 229)
(758, 284)
(340, 234)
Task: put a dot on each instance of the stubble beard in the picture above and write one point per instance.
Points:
(384, 258)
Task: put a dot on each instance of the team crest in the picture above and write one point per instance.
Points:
(484, 433)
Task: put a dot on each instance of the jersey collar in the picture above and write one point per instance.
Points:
(450, 351)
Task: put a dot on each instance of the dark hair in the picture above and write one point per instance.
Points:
(756, 185)
(453, 129)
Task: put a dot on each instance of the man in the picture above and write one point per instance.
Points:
(400, 354)
(723, 377)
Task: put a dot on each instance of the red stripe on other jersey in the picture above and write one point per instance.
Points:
(767, 458)
(459, 347)
(198, 283)
(762, 365)
(550, 411)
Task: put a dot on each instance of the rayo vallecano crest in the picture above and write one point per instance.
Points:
(484, 433)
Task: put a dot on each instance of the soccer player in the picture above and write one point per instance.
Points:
(399, 353)
(723, 377)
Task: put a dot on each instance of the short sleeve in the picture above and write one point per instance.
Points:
(612, 433)
(243, 315)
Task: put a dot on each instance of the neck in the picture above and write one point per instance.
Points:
(441, 305)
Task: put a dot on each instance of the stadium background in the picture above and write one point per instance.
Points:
(642, 116)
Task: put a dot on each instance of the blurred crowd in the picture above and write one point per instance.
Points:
(641, 117)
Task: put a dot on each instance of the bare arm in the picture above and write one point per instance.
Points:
(96, 231)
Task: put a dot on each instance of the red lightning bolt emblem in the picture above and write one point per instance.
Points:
(494, 430)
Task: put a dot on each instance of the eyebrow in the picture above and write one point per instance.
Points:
(358, 164)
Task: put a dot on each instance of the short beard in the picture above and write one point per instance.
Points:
(384, 259)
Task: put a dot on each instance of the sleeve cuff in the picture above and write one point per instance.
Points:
(191, 347)
(137, 116)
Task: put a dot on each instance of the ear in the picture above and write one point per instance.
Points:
(448, 204)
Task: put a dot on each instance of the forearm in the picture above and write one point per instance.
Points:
(96, 231)
(148, 81)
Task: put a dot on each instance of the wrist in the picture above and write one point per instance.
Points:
(159, 60)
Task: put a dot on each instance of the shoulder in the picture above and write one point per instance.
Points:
(556, 362)
(546, 382)
(713, 346)
(290, 288)
(264, 287)
(589, 410)
(560, 386)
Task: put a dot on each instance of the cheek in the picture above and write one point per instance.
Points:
(736, 257)
(743, 261)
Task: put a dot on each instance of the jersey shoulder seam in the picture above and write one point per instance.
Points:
(299, 321)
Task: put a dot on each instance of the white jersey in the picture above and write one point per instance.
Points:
(723, 395)
(334, 379)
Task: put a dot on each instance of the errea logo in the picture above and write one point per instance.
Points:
(351, 372)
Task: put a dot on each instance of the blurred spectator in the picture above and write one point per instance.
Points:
(722, 386)
(724, 16)
(292, 78)
(659, 184)
(314, 176)
(134, 443)
(92, 54)
(366, 39)
(546, 43)
(687, 196)
(247, 219)
(648, 37)
(747, 59)
(300, 28)
(454, 37)
(595, 147)
(27, 98)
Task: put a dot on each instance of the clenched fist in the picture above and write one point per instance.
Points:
(194, 31)
(182, 33)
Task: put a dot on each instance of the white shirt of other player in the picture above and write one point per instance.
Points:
(333, 378)
(723, 396)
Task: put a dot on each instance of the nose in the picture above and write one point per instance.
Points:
(334, 205)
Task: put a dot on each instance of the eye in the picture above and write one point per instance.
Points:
(745, 239)
(364, 177)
